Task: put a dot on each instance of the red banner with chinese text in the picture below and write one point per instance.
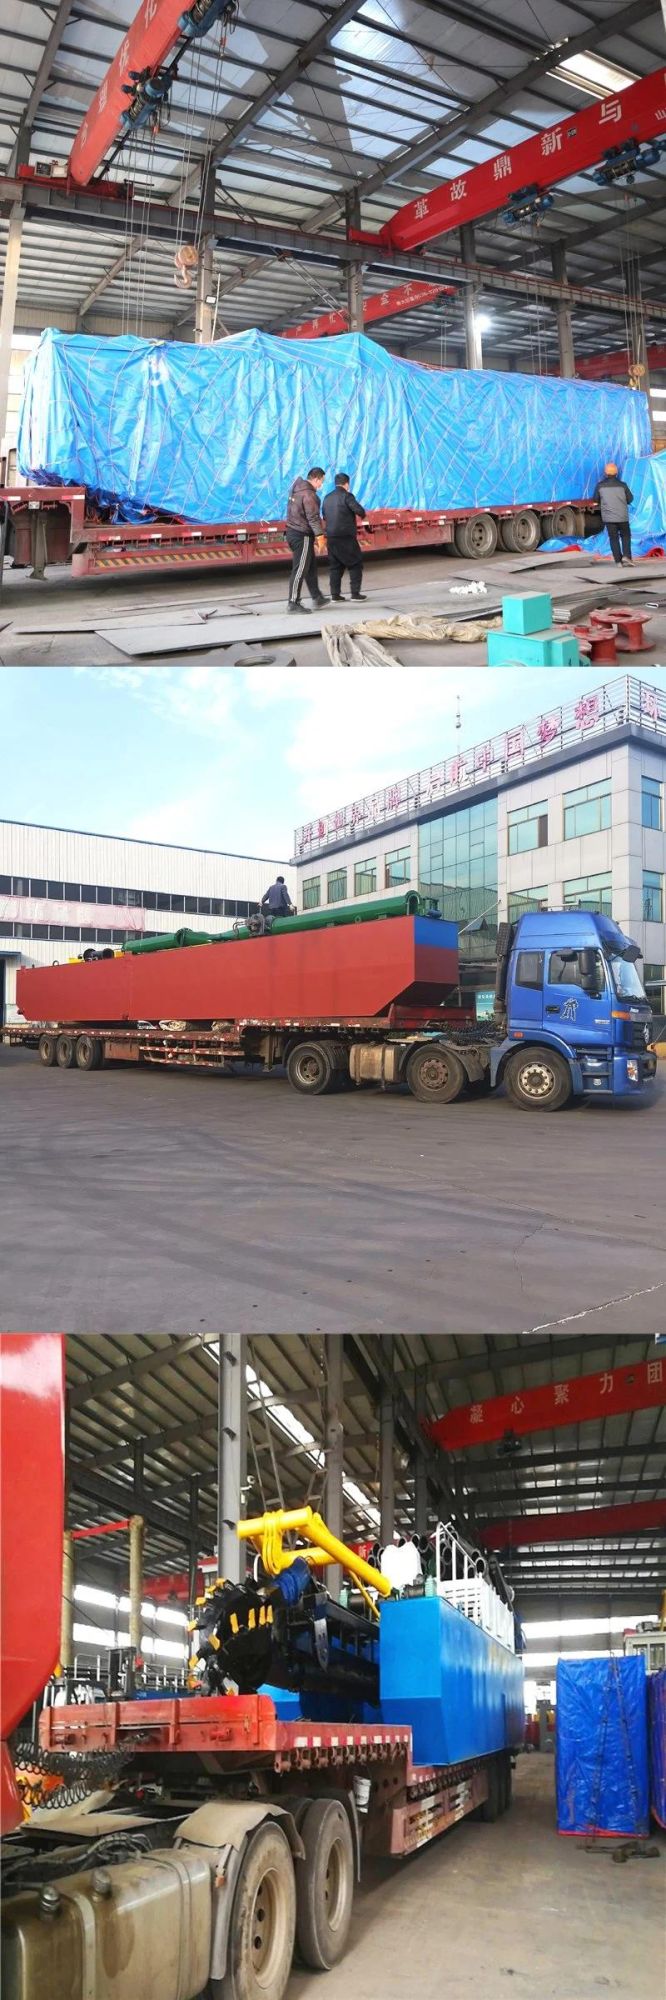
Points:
(641, 1386)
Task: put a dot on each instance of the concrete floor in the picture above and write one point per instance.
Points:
(409, 581)
(133, 1200)
(510, 1909)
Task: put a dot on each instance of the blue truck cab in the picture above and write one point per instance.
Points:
(574, 1011)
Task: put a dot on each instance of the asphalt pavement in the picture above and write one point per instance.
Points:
(134, 1200)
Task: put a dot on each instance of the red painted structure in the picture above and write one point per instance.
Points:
(589, 1524)
(579, 141)
(596, 367)
(32, 1402)
(612, 1392)
(151, 37)
(384, 305)
(348, 970)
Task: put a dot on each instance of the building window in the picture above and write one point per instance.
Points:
(87, 936)
(653, 897)
(6, 930)
(312, 892)
(21, 886)
(149, 899)
(178, 905)
(521, 901)
(397, 867)
(88, 892)
(163, 902)
(203, 905)
(56, 933)
(528, 827)
(105, 895)
(652, 804)
(5, 885)
(37, 886)
(458, 874)
(588, 810)
(590, 892)
(72, 892)
(365, 878)
(336, 886)
(40, 930)
(654, 981)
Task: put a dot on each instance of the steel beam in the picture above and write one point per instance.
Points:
(108, 277)
(420, 1466)
(564, 331)
(380, 306)
(8, 314)
(231, 1453)
(614, 1392)
(118, 1497)
(575, 143)
(584, 1524)
(58, 25)
(598, 367)
(127, 1371)
(334, 1446)
(386, 1464)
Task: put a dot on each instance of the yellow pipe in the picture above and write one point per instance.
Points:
(67, 1607)
(267, 1531)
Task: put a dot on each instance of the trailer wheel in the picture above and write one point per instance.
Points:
(88, 1052)
(477, 537)
(46, 1049)
(263, 1921)
(563, 522)
(521, 533)
(310, 1068)
(324, 1884)
(538, 1080)
(434, 1075)
(65, 1051)
(492, 1806)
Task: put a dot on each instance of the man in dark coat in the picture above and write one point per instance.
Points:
(304, 524)
(614, 498)
(277, 900)
(341, 513)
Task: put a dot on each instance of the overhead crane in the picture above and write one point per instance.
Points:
(584, 1399)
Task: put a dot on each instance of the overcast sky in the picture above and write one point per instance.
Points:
(234, 758)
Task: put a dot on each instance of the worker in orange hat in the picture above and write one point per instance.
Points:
(613, 497)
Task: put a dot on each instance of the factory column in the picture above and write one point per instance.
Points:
(386, 1466)
(354, 271)
(473, 348)
(193, 1564)
(564, 334)
(231, 1453)
(7, 318)
(334, 1450)
(203, 317)
(420, 1471)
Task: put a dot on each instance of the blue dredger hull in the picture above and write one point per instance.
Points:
(460, 1691)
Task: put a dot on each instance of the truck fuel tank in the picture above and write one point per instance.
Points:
(139, 1931)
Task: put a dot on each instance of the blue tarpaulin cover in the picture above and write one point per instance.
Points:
(657, 1721)
(647, 514)
(601, 1746)
(219, 433)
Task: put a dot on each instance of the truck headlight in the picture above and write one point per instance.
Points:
(632, 1070)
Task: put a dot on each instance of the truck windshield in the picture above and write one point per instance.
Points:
(626, 981)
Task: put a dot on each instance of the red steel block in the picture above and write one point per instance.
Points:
(600, 642)
(628, 623)
(577, 142)
(343, 971)
(614, 1391)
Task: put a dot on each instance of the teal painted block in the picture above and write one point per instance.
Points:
(532, 613)
(550, 649)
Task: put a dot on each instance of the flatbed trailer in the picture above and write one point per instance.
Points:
(56, 524)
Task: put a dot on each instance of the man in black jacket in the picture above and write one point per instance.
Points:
(277, 900)
(614, 499)
(341, 513)
(304, 524)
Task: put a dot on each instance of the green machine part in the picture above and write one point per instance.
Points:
(408, 905)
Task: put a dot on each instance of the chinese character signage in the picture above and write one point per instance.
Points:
(585, 1399)
(601, 709)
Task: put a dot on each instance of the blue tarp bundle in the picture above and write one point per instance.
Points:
(219, 433)
(601, 1746)
(647, 479)
(657, 1720)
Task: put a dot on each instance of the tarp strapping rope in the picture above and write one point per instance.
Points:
(647, 479)
(218, 433)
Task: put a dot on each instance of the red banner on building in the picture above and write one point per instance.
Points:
(613, 1392)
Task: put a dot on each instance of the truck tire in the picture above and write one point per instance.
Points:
(477, 537)
(46, 1049)
(263, 1921)
(434, 1075)
(88, 1052)
(492, 1806)
(65, 1051)
(563, 522)
(521, 533)
(324, 1884)
(538, 1080)
(310, 1068)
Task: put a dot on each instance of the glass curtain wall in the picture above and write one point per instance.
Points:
(458, 875)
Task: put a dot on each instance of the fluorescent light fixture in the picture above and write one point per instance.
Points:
(658, 392)
(573, 1628)
(482, 322)
(286, 1421)
(532, 1660)
(593, 74)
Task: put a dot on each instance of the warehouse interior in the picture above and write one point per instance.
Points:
(543, 1455)
(297, 173)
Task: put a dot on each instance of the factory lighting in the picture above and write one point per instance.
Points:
(593, 74)
(286, 1421)
(573, 1628)
(105, 1637)
(482, 322)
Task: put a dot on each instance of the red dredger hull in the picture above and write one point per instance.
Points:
(343, 972)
